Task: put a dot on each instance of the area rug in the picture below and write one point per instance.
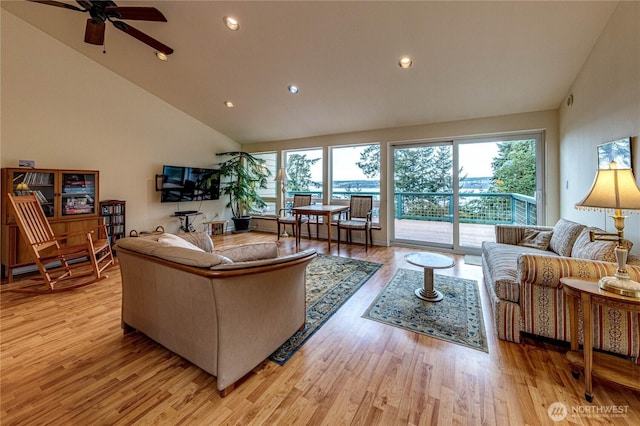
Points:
(331, 281)
(471, 259)
(457, 318)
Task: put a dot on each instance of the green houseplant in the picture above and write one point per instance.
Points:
(245, 175)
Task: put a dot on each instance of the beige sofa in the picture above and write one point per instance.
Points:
(522, 272)
(224, 310)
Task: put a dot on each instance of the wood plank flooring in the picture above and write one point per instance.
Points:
(64, 360)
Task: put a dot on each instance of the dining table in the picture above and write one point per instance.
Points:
(328, 210)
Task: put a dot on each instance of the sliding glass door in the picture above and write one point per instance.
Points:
(423, 193)
(451, 194)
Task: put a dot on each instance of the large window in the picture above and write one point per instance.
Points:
(270, 194)
(355, 169)
(304, 168)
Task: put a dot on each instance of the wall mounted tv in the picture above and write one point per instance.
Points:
(188, 184)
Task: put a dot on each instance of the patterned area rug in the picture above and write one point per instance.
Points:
(331, 281)
(457, 318)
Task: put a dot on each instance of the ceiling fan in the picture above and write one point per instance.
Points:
(102, 11)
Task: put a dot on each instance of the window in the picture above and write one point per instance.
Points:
(355, 169)
(304, 168)
(270, 194)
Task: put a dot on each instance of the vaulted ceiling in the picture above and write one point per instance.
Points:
(470, 60)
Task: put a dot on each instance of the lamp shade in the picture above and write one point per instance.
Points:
(612, 189)
(282, 175)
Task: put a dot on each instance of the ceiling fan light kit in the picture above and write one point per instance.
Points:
(102, 11)
(94, 32)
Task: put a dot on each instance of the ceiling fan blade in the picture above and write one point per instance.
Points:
(58, 4)
(160, 47)
(136, 13)
(94, 32)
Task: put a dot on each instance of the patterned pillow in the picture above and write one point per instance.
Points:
(564, 236)
(584, 248)
(536, 239)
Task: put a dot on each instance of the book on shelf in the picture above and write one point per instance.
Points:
(36, 178)
(40, 196)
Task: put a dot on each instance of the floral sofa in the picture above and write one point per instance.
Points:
(522, 272)
(224, 310)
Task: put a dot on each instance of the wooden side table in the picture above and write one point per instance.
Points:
(607, 367)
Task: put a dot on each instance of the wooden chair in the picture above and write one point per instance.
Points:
(290, 219)
(358, 219)
(54, 260)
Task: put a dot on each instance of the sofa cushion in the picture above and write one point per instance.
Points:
(200, 239)
(170, 240)
(174, 254)
(501, 261)
(564, 236)
(536, 239)
(190, 257)
(584, 248)
(250, 252)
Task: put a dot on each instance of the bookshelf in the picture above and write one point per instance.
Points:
(113, 213)
(69, 199)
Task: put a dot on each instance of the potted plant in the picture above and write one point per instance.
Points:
(245, 175)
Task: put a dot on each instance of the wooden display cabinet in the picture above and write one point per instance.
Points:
(69, 199)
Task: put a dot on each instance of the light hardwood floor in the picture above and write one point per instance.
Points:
(65, 360)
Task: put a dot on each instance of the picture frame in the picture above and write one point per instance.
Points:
(618, 151)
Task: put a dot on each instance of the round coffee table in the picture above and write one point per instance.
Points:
(429, 262)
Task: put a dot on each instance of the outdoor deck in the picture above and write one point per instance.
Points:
(471, 235)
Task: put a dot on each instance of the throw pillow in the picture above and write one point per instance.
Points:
(170, 240)
(564, 236)
(584, 248)
(536, 239)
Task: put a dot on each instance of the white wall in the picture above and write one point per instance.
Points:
(65, 111)
(606, 106)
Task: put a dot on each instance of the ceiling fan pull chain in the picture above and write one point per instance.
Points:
(104, 47)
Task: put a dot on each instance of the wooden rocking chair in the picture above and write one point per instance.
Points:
(55, 260)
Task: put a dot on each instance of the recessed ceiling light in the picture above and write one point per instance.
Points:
(293, 89)
(228, 104)
(162, 56)
(231, 23)
(405, 62)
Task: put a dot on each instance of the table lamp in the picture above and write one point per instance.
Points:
(615, 189)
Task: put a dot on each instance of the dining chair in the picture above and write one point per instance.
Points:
(289, 217)
(358, 218)
(55, 259)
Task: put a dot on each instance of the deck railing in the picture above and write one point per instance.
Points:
(486, 208)
(481, 208)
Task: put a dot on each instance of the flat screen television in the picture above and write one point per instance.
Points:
(189, 184)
